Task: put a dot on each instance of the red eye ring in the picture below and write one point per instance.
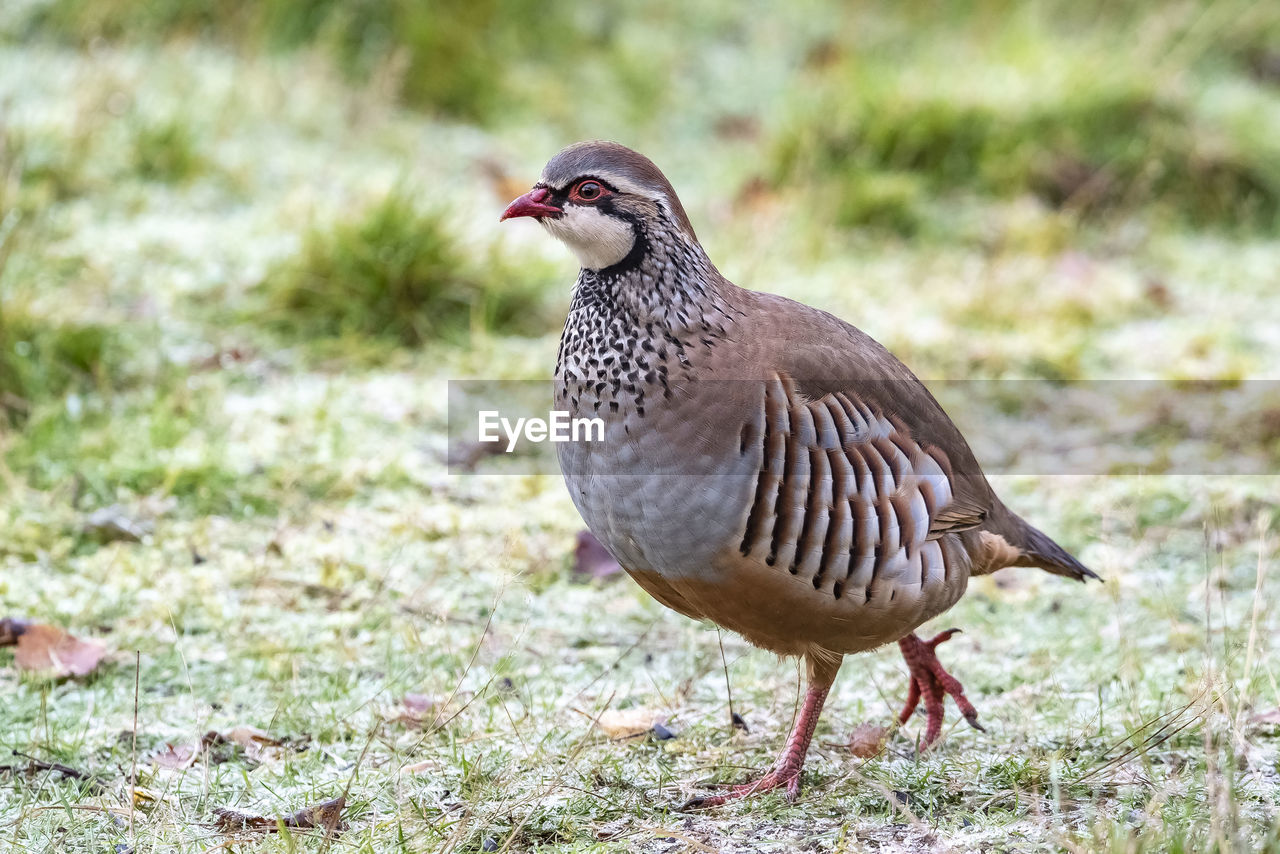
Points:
(588, 191)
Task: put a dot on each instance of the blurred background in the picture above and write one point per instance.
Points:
(244, 246)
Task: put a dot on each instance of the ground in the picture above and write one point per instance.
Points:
(414, 637)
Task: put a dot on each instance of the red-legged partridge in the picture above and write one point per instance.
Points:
(765, 465)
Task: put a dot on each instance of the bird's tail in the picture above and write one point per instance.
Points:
(1036, 548)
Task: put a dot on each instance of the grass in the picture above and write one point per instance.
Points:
(1035, 109)
(42, 357)
(166, 152)
(397, 273)
(43, 360)
(450, 56)
(205, 237)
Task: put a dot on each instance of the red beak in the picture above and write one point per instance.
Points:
(532, 203)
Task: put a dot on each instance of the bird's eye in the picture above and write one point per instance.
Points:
(588, 191)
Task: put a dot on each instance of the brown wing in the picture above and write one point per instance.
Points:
(847, 499)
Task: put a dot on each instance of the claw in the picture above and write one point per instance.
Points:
(787, 777)
(931, 682)
(786, 773)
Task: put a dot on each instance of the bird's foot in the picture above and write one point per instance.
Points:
(787, 776)
(786, 773)
(930, 682)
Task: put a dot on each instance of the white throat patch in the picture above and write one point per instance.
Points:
(599, 240)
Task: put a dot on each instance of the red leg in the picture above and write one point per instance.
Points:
(932, 683)
(786, 772)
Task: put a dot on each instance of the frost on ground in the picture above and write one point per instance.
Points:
(320, 609)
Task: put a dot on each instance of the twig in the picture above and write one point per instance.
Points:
(728, 689)
(613, 664)
(662, 833)
(558, 781)
(82, 807)
(133, 771)
(1253, 622)
(330, 827)
(436, 723)
(1163, 733)
(33, 765)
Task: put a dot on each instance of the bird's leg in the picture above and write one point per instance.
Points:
(786, 772)
(930, 682)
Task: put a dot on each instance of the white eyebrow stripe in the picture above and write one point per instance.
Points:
(618, 182)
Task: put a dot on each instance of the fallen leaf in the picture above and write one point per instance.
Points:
(419, 710)
(736, 126)
(418, 705)
(144, 797)
(867, 740)
(618, 724)
(591, 559)
(177, 757)
(35, 765)
(49, 649)
(11, 628)
(421, 767)
(112, 525)
(250, 737)
(695, 844)
(224, 358)
(255, 744)
(1271, 717)
(466, 456)
(327, 816)
(501, 180)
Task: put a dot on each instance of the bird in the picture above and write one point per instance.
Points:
(764, 465)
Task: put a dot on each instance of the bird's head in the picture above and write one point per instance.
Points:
(604, 201)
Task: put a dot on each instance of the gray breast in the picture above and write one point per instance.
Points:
(668, 489)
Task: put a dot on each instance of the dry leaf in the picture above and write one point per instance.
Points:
(11, 628)
(695, 844)
(49, 649)
(419, 710)
(628, 723)
(421, 767)
(327, 816)
(1271, 717)
(466, 456)
(500, 178)
(591, 559)
(113, 525)
(256, 744)
(33, 766)
(177, 757)
(250, 737)
(867, 740)
(417, 706)
(144, 797)
(250, 742)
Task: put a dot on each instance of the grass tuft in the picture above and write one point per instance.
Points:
(450, 56)
(166, 152)
(396, 273)
(880, 137)
(40, 169)
(42, 359)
